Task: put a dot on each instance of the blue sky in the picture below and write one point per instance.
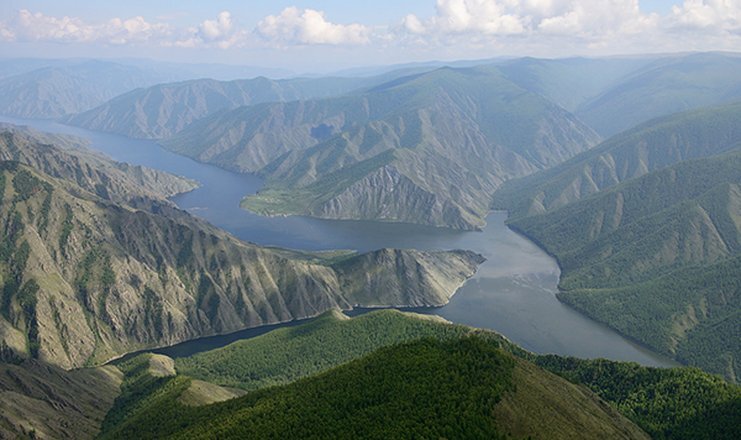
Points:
(330, 34)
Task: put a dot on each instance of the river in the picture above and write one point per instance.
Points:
(513, 292)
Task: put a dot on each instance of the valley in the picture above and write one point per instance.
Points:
(505, 248)
(513, 292)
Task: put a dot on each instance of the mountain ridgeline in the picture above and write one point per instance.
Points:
(419, 146)
(162, 110)
(647, 230)
(88, 277)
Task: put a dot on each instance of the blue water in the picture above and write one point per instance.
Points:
(512, 293)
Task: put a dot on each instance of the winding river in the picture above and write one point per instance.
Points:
(512, 293)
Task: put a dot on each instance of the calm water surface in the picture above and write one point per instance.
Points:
(512, 293)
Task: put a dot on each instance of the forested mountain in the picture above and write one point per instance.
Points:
(87, 277)
(63, 89)
(442, 387)
(656, 257)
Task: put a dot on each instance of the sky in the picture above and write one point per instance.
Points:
(333, 34)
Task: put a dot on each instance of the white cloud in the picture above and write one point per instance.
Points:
(722, 15)
(221, 33)
(308, 26)
(514, 17)
(35, 26)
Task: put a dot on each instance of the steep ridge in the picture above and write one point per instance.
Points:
(146, 274)
(651, 146)
(657, 258)
(441, 142)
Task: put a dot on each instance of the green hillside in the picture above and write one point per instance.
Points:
(674, 403)
(285, 355)
(456, 388)
(657, 258)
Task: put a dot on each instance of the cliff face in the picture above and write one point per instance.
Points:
(85, 279)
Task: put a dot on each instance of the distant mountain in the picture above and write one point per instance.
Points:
(648, 147)
(88, 277)
(571, 82)
(658, 258)
(668, 85)
(428, 148)
(163, 110)
(54, 91)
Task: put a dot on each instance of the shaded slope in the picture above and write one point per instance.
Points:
(674, 403)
